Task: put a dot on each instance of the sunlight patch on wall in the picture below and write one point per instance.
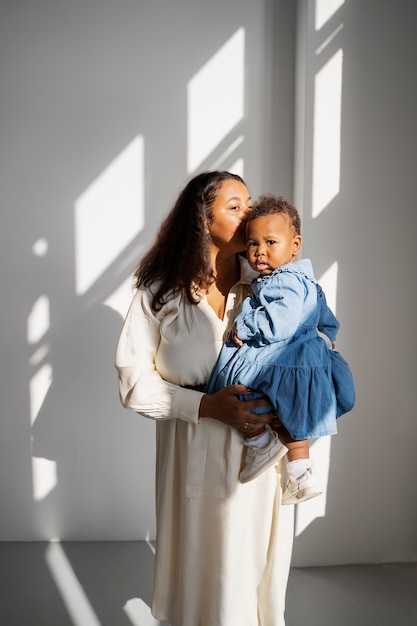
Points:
(237, 168)
(44, 471)
(44, 477)
(38, 320)
(38, 324)
(324, 11)
(38, 388)
(326, 133)
(308, 511)
(72, 593)
(320, 448)
(218, 163)
(328, 281)
(215, 100)
(40, 247)
(121, 298)
(109, 215)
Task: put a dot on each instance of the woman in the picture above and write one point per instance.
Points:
(223, 548)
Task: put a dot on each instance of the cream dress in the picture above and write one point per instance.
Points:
(223, 549)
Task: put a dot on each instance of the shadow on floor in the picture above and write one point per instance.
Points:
(110, 584)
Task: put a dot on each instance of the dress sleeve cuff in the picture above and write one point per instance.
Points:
(186, 404)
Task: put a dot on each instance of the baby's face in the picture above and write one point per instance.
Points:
(271, 242)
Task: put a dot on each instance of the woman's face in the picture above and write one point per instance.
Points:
(229, 212)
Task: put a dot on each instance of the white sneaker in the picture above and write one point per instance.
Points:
(260, 459)
(301, 489)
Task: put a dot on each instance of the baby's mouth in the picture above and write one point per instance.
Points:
(261, 265)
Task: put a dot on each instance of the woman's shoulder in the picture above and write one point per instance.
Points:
(144, 296)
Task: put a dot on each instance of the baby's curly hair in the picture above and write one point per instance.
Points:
(269, 204)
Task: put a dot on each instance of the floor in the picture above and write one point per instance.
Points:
(110, 584)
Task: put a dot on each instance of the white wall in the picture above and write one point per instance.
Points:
(367, 227)
(91, 90)
(81, 81)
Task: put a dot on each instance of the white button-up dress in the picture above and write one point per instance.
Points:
(223, 549)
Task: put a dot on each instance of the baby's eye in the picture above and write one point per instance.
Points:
(251, 244)
(270, 242)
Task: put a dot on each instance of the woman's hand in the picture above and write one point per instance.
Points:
(225, 406)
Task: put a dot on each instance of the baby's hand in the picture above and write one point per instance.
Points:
(234, 336)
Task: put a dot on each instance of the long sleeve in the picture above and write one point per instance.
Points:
(141, 386)
(274, 315)
(328, 324)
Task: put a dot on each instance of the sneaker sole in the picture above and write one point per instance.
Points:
(272, 461)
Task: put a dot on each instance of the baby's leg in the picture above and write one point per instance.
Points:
(303, 483)
(296, 449)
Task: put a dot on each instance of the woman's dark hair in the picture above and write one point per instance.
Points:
(268, 204)
(180, 255)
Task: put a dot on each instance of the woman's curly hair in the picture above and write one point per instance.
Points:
(180, 255)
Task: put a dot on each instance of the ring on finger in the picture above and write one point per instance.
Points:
(246, 425)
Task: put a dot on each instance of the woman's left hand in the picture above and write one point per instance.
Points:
(225, 406)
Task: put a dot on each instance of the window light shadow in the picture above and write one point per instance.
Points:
(215, 100)
(319, 168)
(326, 133)
(139, 613)
(76, 601)
(44, 471)
(109, 215)
(325, 9)
(320, 448)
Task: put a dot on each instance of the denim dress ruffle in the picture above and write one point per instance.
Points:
(284, 357)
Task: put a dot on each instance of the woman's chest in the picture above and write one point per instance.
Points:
(190, 341)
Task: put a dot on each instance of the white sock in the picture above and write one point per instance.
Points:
(259, 441)
(298, 468)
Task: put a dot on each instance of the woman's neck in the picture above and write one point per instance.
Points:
(226, 269)
(227, 272)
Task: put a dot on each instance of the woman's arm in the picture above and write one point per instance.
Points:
(143, 390)
(141, 387)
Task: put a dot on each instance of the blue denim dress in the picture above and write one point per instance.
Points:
(283, 355)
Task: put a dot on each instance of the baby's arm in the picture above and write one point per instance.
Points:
(275, 314)
(328, 323)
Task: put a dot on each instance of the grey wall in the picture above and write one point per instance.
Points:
(368, 229)
(79, 82)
